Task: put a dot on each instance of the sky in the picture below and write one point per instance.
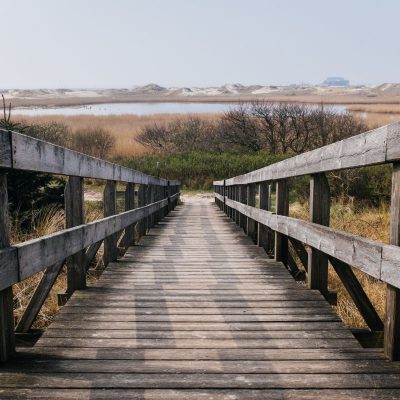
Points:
(123, 43)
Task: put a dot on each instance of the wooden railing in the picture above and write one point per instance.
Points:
(313, 242)
(78, 244)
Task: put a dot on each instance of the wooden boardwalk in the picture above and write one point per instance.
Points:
(196, 311)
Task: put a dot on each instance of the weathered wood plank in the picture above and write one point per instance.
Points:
(27, 153)
(373, 147)
(110, 209)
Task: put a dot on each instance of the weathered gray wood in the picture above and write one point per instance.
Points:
(374, 147)
(243, 200)
(5, 149)
(392, 323)
(300, 251)
(251, 201)
(90, 254)
(129, 205)
(38, 298)
(110, 209)
(7, 339)
(264, 204)
(358, 295)
(74, 216)
(361, 253)
(320, 203)
(282, 208)
(32, 154)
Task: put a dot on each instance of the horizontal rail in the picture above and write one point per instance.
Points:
(377, 146)
(21, 152)
(381, 261)
(24, 260)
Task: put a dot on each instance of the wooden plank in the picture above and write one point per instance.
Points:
(282, 208)
(373, 147)
(206, 381)
(320, 203)
(36, 155)
(86, 353)
(74, 216)
(392, 322)
(204, 367)
(243, 200)
(38, 298)
(196, 394)
(7, 338)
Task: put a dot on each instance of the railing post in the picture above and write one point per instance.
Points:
(130, 205)
(319, 213)
(237, 213)
(74, 216)
(392, 323)
(282, 208)
(251, 201)
(243, 200)
(110, 208)
(141, 203)
(224, 194)
(7, 336)
(264, 204)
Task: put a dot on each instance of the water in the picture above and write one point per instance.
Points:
(128, 108)
(137, 109)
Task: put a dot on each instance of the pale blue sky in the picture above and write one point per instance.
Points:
(121, 43)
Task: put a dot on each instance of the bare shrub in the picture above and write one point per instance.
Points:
(96, 142)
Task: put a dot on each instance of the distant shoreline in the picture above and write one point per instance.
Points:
(306, 99)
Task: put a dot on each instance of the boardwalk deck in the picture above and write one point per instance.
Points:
(196, 311)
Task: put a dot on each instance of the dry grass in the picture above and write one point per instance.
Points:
(125, 128)
(372, 223)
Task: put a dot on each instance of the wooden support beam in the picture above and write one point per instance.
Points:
(319, 214)
(357, 293)
(7, 336)
(110, 208)
(251, 201)
(264, 204)
(301, 252)
(282, 208)
(91, 253)
(129, 205)
(38, 298)
(74, 216)
(392, 323)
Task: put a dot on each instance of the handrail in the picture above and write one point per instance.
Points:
(21, 152)
(378, 146)
(236, 197)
